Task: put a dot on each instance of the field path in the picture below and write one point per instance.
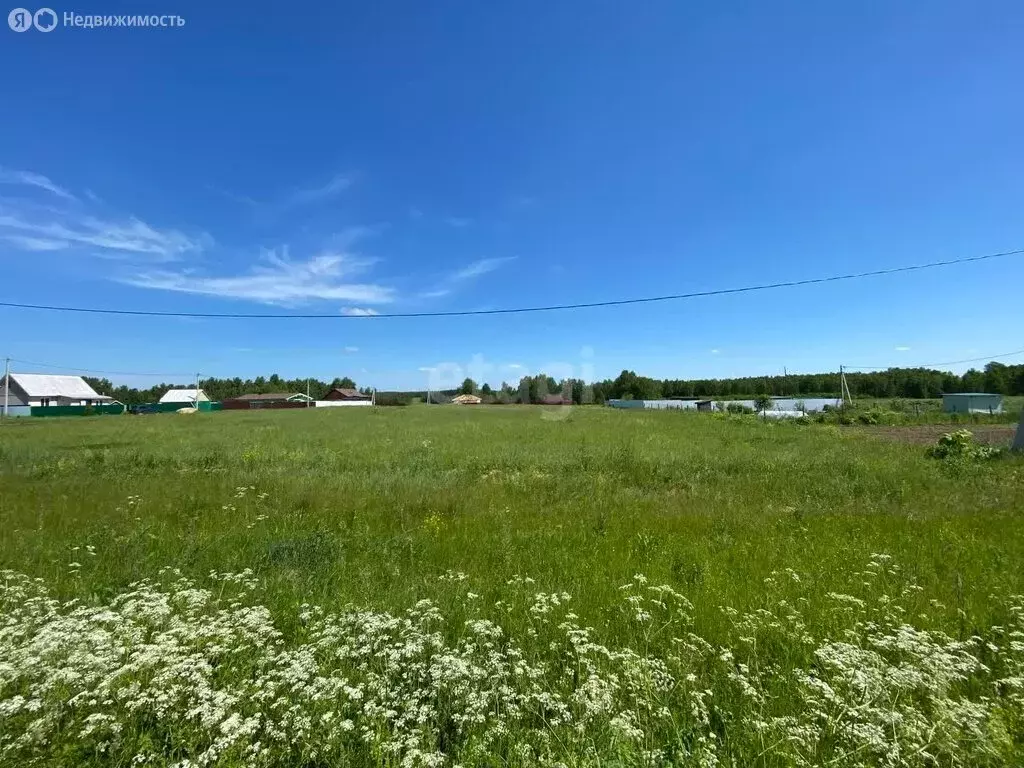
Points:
(926, 434)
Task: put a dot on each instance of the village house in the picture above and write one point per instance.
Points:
(43, 389)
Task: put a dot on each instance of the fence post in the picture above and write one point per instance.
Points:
(1018, 444)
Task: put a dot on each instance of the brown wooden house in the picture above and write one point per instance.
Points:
(344, 393)
(266, 400)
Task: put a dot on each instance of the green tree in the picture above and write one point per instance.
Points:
(523, 395)
(997, 379)
(468, 387)
(762, 403)
(973, 381)
(102, 386)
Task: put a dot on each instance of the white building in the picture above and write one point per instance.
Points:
(46, 389)
(184, 396)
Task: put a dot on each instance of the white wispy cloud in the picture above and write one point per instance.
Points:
(479, 268)
(234, 197)
(457, 221)
(347, 237)
(70, 223)
(351, 350)
(716, 351)
(25, 243)
(275, 204)
(359, 312)
(902, 349)
(278, 280)
(30, 179)
(48, 229)
(338, 183)
(460, 277)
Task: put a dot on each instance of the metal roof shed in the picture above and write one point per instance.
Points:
(49, 389)
(972, 402)
(11, 398)
(184, 396)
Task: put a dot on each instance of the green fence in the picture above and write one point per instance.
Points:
(77, 410)
(115, 408)
(144, 408)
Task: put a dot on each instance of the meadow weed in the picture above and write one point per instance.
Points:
(427, 586)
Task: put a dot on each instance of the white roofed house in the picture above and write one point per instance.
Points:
(184, 396)
(41, 389)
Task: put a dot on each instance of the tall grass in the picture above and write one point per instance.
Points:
(754, 528)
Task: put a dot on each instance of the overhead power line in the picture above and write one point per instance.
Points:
(519, 310)
(986, 358)
(106, 373)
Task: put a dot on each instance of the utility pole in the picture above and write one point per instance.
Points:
(844, 388)
(197, 391)
(307, 392)
(7, 383)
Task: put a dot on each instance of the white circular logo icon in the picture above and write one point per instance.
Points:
(45, 20)
(20, 20)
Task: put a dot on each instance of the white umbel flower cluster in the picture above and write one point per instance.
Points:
(172, 673)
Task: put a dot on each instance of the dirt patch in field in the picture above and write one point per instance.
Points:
(927, 434)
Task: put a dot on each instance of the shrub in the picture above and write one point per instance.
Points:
(961, 445)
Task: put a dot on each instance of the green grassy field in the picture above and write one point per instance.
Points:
(929, 411)
(828, 598)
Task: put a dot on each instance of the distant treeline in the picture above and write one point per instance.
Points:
(894, 382)
(913, 383)
(996, 378)
(221, 389)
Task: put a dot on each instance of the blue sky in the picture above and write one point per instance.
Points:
(378, 157)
